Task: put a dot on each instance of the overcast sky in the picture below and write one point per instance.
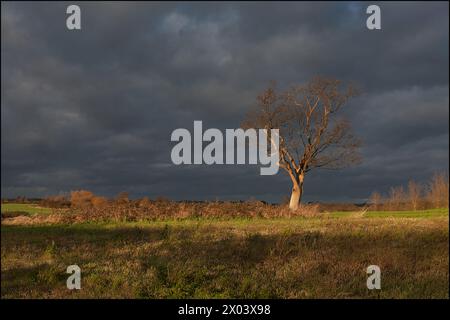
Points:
(94, 109)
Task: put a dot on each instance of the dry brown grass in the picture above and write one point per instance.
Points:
(236, 258)
(163, 209)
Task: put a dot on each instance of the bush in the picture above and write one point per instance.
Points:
(99, 202)
(59, 201)
(81, 199)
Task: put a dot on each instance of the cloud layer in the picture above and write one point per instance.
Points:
(95, 108)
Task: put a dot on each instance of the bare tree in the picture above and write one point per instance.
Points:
(311, 133)
(396, 198)
(438, 190)
(376, 200)
(414, 193)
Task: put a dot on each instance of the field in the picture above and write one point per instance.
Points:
(324, 257)
(24, 209)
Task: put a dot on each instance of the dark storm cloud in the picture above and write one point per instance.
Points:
(95, 108)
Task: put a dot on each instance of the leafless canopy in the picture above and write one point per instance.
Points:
(312, 135)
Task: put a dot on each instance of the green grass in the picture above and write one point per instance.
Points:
(322, 257)
(430, 213)
(24, 208)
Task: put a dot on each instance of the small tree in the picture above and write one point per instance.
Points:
(438, 191)
(414, 193)
(375, 200)
(396, 198)
(310, 131)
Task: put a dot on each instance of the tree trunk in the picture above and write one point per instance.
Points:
(296, 195)
(295, 198)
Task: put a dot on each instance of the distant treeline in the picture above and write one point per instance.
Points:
(414, 196)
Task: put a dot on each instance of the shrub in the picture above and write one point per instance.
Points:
(99, 202)
(59, 201)
(81, 199)
(122, 198)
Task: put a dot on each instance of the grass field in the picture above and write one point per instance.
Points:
(322, 257)
(431, 213)
(28, 209)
